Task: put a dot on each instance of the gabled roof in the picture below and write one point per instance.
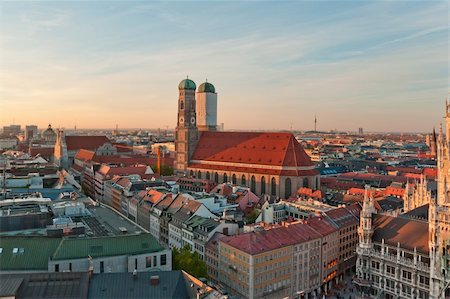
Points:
(250, 148)
(408, 232)
(109, 171)
(43, 151)
(85, 142)
(187, 210)
(262, 241)
(85, 155)
(344, 216)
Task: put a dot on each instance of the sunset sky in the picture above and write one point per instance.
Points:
(381, 65)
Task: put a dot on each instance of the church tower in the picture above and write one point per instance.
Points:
(206, 107)
(186, 132)
(365, 232)
(60, 154)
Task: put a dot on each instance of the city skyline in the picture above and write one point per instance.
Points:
(353, 64)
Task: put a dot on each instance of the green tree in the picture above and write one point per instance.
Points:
(188, 261)
(251, 217)
(166, 170)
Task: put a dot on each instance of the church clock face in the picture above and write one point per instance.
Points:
(181, 120)
(193, 120)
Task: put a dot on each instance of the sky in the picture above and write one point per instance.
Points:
(379, 65)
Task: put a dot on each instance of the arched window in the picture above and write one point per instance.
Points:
(216, 178)
(208, 175)
(273, 187)
(191, 173)
(305, 182)
(253, 184)
(225, 178)
(199, 174)
(263, 185)
(233, 179)
(243, 181)
(181, 105)
(287, 188)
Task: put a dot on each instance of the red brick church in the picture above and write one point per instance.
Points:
(271, 163)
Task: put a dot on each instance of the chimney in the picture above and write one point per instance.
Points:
(154, 280)
(225, 231)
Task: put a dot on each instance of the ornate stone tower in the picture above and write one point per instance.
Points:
(61, 157)
(186, 132)
(365, 229)
(206, 108)
(365, 232)
(439, 216)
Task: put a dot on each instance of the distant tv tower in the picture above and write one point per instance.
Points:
(315, 123)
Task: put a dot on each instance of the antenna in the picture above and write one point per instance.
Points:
(315, 122)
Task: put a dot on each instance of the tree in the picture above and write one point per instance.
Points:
(252, 216)
(166, 170)
(188, 261)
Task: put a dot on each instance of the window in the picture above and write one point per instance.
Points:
(390, 270)
(191, 173)
(407, 275)
(263, 185)
(102, 267)
(70, 266)
(233, 179)
(163, 260)
(56, 267)
(243, 181)
(305, 182)
(216, 178)
(225, 178)
(155, 260)
(208, 175)
(253, 184)
(273, 187)
(287, 188)
(135, 264)
(148, 261)
(199, 174)
(424, 280)
(181, 105)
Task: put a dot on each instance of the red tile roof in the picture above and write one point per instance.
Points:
(84, 155)
(251, 148)
(262, 241)
(310, 193)
(109, 171)
(430, 172)
(42, 151)
(394, 191)
(85, 142)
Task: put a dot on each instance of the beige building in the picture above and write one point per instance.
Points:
(296, 260)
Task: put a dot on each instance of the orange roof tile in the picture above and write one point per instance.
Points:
(275, 149)
(85, 142)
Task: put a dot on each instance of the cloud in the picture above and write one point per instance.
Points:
(47, 19)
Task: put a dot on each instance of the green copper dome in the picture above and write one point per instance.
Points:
(187, 84)
(206, 87)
